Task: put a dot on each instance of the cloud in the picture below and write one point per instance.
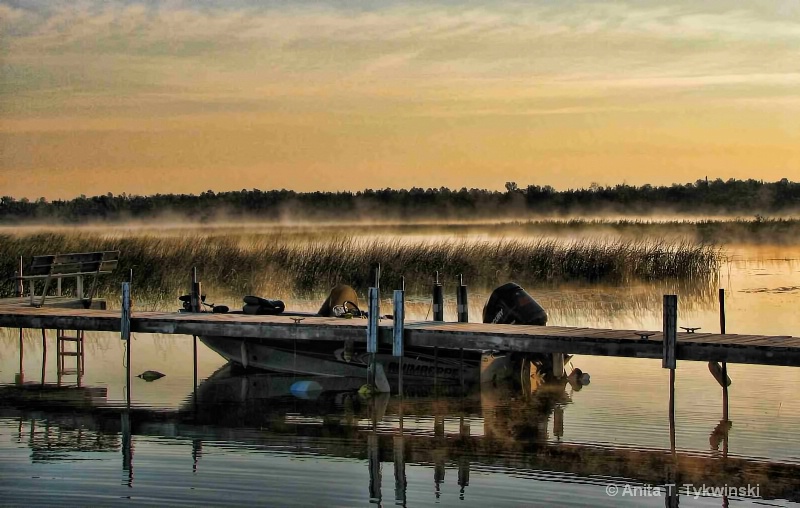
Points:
(248, 54)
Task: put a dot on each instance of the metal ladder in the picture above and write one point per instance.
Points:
(62, 351)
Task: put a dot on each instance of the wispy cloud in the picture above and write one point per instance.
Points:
(248, 53)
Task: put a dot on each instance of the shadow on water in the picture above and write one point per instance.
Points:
(506, 428)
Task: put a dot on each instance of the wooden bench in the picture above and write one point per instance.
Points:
(76, 264)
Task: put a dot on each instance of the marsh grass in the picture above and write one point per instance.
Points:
(277, 264)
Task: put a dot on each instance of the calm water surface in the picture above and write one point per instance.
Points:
(245, 439)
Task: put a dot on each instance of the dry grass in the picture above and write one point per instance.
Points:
(280, 264)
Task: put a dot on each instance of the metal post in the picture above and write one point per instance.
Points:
(125, 334)
(372, 332)
(669, 361)
(399, 317)
(19, 288)
(21, 356)
(194, 344)
(438, 300)
(398, 344)
(461, 301)
(724, 364)
(670, 331)
(44, 354)
(195, 301)
(672, 410)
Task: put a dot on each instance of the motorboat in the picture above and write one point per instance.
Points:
(508, 304)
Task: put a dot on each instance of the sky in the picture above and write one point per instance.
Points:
(183, 97)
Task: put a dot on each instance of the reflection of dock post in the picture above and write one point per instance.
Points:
(21, 376)
(44, 354)
(399, 470)
(558, 422)
(669, 360)
(197, 453)
(398, 344)
(374, 457)
(372, 333)
(463, 474)
(127, 446)
(462, 308)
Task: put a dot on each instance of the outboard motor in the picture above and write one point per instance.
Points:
(510, 304)
(341, 302)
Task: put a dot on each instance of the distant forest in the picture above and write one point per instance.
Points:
(732, 197)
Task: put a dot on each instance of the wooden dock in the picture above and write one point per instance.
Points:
(731, 348)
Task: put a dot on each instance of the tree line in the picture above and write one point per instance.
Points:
(731, 197)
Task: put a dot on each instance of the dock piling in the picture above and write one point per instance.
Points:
(125, 334)
(724, 364)
(372, 333)
(398, 344)
(670, 340)
(670, 330)
(462, 306)
(438, 299)
(18, 286)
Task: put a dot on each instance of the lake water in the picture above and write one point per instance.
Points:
(245, 439)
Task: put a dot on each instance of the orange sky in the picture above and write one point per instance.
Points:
(175, 96)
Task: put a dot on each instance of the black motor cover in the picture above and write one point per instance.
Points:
(510, 304)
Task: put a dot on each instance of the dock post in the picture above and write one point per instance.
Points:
(724, 364)
(18, 290)
(18, 287)
(461, 301)
(438, 299)
(44, 354)
(196, 300)
(374, 453)
(400, 481)
(669, 360)
(21, 357)
(194, 353)
(670, 330)
(372, 333)
(398, 345)
(125, 334)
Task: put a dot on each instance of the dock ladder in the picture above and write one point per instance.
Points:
(62, 351)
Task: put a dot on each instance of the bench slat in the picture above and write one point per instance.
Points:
(76, 263)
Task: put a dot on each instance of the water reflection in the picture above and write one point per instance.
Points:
(495, 429)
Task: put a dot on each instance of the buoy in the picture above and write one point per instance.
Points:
(716, 371)
(305, 389)
(150, 375)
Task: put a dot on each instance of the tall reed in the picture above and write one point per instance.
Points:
(279, 264)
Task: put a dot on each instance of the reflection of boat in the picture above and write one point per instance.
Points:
(329, 358)
(508, 304)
